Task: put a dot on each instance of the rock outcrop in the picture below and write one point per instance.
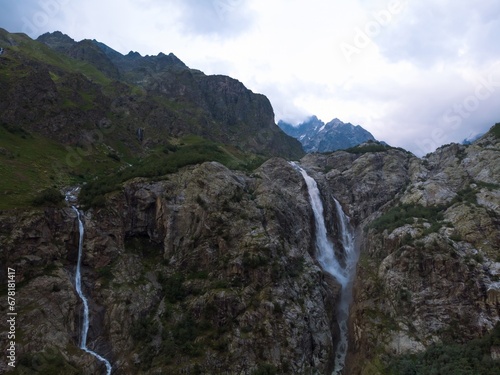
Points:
(209, 270)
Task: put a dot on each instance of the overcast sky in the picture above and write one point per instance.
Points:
(416, 74)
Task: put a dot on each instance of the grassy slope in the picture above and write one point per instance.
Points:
(188, 150)
(31, 163)
(35, 51)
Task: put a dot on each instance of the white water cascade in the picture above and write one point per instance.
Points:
(343, 271)
(78, 286)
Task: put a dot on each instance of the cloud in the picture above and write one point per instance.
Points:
(32, 17)
(431, 32)
(427, 112)
(222, 18)
(13, 12)
(406, 85)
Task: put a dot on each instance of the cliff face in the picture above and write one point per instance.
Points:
(429, 270)
(208, 270)
(73, 111)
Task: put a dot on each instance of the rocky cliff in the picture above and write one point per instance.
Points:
(68, 90)
(217, 107)
(209, 270)
(73, 111)
(206, 271)
(429, 248)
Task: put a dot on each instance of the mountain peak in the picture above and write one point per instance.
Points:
(133, 54)
(57, 41)
(316, 136)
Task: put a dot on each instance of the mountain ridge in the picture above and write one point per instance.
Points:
(317, 136)
(110, 110)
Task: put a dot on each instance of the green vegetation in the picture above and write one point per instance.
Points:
(30, 163)
(173, 287)
(191, 150)
(180, 336)
(362, 149)
(487, 185)
(455, 236)
(467, 195)
(373, 147)
(472, 358)
(184, 334)
(149, 251)
(253, 261)
(405, 214)
(265, 369)
(48, 196)
(28, 49)
(495, 130)
(105, 275)
(80, 96)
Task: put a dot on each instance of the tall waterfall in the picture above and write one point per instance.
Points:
(343, 269)
(78, 286)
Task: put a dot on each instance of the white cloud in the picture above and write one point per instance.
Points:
(222, 18)
(416, 62)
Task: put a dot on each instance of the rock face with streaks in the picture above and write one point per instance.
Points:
(207, 270)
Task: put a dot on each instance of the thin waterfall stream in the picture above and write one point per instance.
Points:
(343, 270)
(78, 286)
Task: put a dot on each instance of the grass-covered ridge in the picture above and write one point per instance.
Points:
(67, 119)
(368, 147)
(169, 159)
(495, 130)
(22, 48)
(30, 164)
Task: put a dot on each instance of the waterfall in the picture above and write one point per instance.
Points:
(78, 286)
(342, 271)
